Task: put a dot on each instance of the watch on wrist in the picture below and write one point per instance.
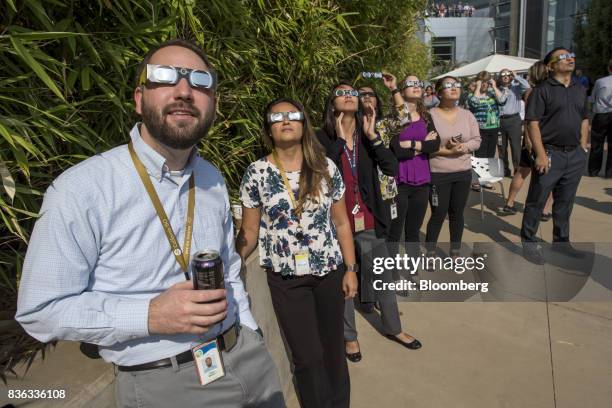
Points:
(396, 90)
(352, 268)
(412, 144)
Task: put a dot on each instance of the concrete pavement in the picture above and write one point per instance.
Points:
(498, 355)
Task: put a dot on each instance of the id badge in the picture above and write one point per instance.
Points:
(208, 362)
(302, 264)
(393, 211)
(359, 221)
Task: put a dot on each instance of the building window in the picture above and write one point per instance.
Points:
(443, 49)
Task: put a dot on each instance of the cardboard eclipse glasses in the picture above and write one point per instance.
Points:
(169, 75)
(275, 117)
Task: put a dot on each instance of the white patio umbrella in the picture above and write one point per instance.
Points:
(492, 63)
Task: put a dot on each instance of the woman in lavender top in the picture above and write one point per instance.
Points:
(412, 147)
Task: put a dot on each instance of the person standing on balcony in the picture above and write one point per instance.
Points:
(293, 207)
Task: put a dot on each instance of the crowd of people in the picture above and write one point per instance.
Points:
(105, 266)
(450, 10)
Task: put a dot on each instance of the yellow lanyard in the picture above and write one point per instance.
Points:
(182, 257)
(285, 181)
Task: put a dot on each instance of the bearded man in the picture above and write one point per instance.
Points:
(108, 260)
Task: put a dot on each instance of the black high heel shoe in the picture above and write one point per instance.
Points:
(413, 345)
(354, 357)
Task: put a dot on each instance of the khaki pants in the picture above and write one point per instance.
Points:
(251, 380)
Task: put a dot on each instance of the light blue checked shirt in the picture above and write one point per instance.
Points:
(98, 254)
(514, 94)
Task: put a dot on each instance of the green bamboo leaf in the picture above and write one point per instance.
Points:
(12, 4)
(22, 160)
(42, 35)
(88, 44)
(36, 67)
(7, 181)
(85, 83)
(7, 135)
(40, 13)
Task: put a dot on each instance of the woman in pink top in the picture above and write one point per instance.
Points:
(451, 168)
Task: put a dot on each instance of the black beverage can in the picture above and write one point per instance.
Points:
(207, 270)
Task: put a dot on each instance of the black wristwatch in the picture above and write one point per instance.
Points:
(412, 144)
(396, 90)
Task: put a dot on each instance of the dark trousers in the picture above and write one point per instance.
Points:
(489, 138)
(368, 247)
(512, 130)
(562, 179)
(411, 208)
(601, 129)
(452, 195)
(309, 311)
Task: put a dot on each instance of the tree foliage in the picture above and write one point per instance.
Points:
(593, 32)
(68, 73)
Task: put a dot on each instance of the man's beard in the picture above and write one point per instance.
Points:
(181, 135)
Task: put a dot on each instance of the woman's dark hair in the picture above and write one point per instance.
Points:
(379, 104)
(314, 166)
(549, 56)
(329, 116)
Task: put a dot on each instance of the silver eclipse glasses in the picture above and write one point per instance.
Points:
(413, 84)
(450, 85)
(563, 57)
(168, 75)
(275, 117)
(346, 92)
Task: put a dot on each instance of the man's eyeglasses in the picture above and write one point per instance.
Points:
(168, 75)
(563, 57)
(412, 84)
(451, 85)
(367, 93)
(346, 92)
(275, 117)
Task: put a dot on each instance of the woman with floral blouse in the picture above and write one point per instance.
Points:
(293, 206)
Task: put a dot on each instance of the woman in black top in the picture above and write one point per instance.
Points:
(352, 143)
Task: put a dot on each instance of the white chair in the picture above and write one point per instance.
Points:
(488, 170)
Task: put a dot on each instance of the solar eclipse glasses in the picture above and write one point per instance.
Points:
(168, 75)
(275, 117)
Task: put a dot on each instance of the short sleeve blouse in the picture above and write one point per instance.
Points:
(262, 187)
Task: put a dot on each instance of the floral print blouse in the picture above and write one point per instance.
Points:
(262, 187)
(386, 129)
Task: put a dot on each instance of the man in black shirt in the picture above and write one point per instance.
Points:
(557, 114)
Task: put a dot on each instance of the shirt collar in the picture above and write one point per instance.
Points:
(154, 162)
(554, 82)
